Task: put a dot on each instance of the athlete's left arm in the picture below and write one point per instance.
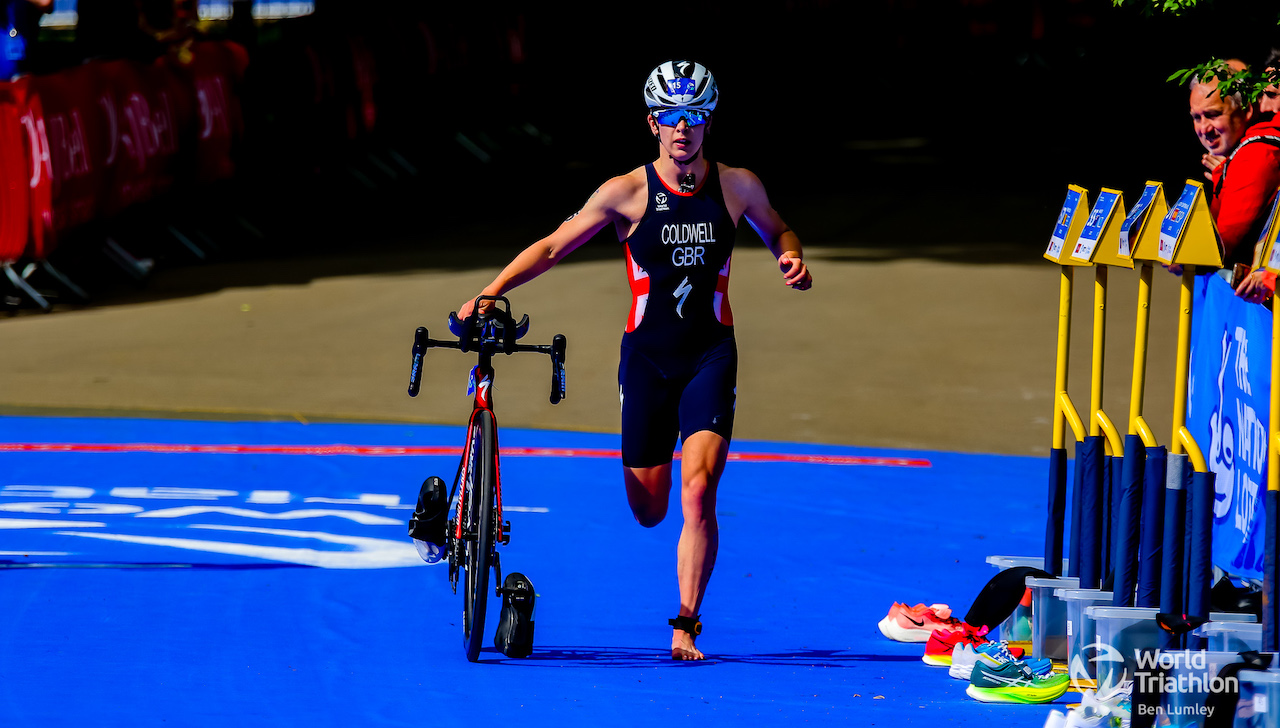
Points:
(749, 193)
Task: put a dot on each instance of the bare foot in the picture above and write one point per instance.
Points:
(682, 647)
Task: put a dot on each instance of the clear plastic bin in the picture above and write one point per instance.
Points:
(1081, 631)
(1231, 636)
(1017, 627)
(1008, 562)
(1049, 617)
(1192, 674)
(1259, 705)
(1129, 630)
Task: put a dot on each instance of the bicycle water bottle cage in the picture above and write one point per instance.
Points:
(494, 330)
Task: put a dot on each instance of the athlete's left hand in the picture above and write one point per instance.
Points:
(794, 272)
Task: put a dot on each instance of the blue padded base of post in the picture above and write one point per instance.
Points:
(1128, 519)
(1270, 610)
(1073, 547)
(1090, 461)
(1200, 556)
(1175, 513)
(1057, 502)
(1151, 537)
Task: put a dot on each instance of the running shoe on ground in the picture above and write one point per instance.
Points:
(995, 654)
(962, 659)
(1014, 682)
(942, 642)
(915, 624)
(1102, 711)
(964, 656)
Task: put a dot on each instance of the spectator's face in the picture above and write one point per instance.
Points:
(1219, 123)
(1270, 102)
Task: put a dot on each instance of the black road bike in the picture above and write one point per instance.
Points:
(476, 527)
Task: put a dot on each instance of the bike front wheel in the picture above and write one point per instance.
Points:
(479, 528)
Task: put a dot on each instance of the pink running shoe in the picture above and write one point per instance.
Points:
(916, 624)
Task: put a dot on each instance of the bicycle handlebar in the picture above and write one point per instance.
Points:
(490, 333)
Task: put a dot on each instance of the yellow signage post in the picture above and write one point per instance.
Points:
(1066, 233)
(1189, 239)
(1270, 609)
(1099, 244)
(1141, 506)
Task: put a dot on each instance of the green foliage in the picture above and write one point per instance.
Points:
(1173, 7)
(1248, 83)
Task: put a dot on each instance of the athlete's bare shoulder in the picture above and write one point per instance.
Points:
(618, 192)
(622, 197)
(739, 180)
(742, 189)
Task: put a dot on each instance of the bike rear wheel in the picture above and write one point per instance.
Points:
(479, 528)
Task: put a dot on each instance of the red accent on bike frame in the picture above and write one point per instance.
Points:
(483, 401)
(497, 474)
(462, 475)
(430, 450)
(484, 382)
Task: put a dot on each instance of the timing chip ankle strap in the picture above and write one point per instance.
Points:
(692, 625)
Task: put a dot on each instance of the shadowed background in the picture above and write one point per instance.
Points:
(920, 150)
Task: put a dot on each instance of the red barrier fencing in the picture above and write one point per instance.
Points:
(14, 197)
(65, 125)
(214, 74)
(86, 144)
(90, 142)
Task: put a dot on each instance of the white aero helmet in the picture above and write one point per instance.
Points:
(683, 84)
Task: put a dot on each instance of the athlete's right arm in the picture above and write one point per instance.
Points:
(600, 210)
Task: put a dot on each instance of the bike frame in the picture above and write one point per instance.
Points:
(482, 377)
(495, 332)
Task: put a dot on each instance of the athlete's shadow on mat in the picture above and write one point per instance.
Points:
(596, 657)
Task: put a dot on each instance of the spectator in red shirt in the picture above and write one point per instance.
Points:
(1270, 101)
(1209, 159)
(1247, 178)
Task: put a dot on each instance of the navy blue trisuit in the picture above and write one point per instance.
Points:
(679, 366)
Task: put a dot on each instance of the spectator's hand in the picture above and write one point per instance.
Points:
(1174, 269)
(1257, 286)
(1211, 162)
(794, 272)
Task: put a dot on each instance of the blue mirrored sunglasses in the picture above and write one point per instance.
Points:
(672, 117)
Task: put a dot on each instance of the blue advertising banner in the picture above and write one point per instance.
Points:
(1227, 411)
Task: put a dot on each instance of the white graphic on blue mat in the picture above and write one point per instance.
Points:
(56, 525)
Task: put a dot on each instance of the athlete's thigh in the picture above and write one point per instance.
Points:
(707, 402)
(650, 421)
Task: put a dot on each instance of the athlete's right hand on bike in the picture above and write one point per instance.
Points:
(466, 309)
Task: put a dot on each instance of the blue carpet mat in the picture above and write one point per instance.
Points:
(147, 587)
